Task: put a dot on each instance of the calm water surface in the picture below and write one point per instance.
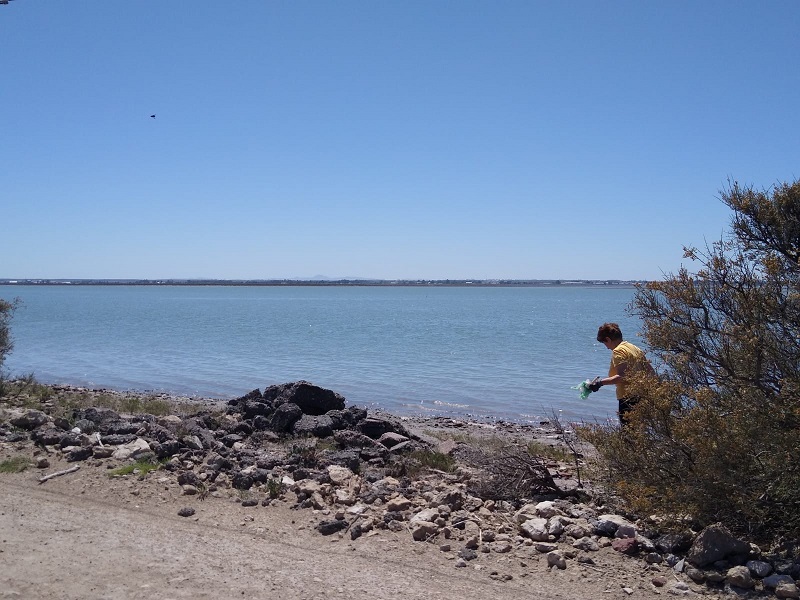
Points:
(510, 353)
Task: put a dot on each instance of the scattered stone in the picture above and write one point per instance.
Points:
(696, 575)
(715, 543)
(331, 527)
(554, 559)
(759, 568)
(213, 453)
(77, 454)
(545, 547)
(653, 558)
(398, 504)
(586, 544)
(625, 545)
(659, 581)
(739, 577)
(423, 530)
(186, 512)
(536, 529)
(467, 554)
(771, 582)
(673, 543)
(787, 590)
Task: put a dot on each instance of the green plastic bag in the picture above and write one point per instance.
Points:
(583, 388)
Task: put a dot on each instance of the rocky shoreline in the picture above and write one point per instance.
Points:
(434, 481)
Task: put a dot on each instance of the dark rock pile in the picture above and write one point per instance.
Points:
(246, 435)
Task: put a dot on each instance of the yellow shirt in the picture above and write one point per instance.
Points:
(624, 354)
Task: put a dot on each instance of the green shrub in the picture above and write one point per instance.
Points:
(15, 464)
(6, 312)
(716, 437)
(143, 467)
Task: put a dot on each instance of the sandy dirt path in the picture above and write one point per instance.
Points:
(59, 542)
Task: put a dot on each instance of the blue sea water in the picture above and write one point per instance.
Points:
(511, 353)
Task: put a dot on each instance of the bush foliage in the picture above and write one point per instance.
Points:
(6, 344)
(717, 434)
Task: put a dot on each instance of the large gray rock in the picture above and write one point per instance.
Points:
(352, 439)
(314, 425)
(535, 529)
(49, 436)
(375, 426)
(254, 408)
(98, 416)
(715, 543)
(30, 419)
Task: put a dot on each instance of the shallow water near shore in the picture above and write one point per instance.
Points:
(510, 353)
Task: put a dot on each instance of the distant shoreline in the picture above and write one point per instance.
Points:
(332, 282)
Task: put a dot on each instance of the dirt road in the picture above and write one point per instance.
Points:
(70, 539)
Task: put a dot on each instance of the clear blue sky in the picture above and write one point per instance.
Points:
(405, 139)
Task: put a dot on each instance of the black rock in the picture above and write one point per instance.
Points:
(331, 527)
(117, 439)
(47, 436)
(284, 417)
(311, 399)
(62, 423)
(166, 449)
(99, 416)
(254, 408)
(260, 475)
(188, 478)
(243, 427)
(467, 554)
(392, 515)
(345, 458)
(260, 423)
(119, 427)
(71, 439)
(30, 420)
(85, 425)
(269, 461)
(310, 425)
(241, 481)
(159, 433)
(376, 426)
(673, 543)
(186, 512)
(230, 439)
(79, 454)
(218, 463)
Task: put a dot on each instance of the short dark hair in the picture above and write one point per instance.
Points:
(609, 331)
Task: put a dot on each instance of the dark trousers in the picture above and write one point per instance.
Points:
(626, 406)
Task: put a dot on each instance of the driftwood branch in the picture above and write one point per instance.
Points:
(59, 473)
